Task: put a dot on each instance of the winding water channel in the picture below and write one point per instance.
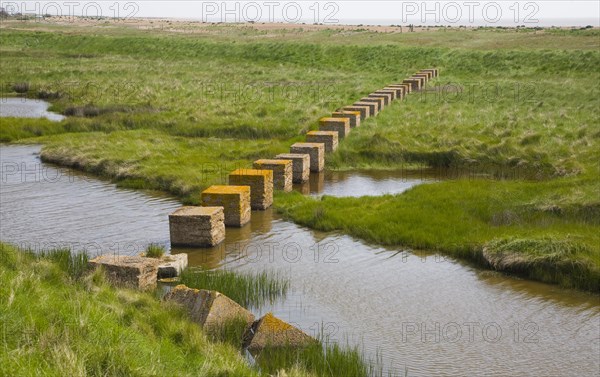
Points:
(423, 314)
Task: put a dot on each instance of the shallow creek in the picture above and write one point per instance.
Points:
(27, 108)
(421, 313)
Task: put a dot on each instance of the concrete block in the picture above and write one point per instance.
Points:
(135, 272)
(272, 332)
(328, 138)
(339, 125)
(282, 172)
(261, 186)
(235, 201)
(352, 116)
(378, 101)
(210, 309)
(316, 151)
(399, 90)
(197, 226)
(415, 84)
(172, 265)
(300, 165)
(387, 97)
(390, 92)
(364, 110)
(373, 108)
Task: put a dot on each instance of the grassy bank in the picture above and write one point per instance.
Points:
(58, 322)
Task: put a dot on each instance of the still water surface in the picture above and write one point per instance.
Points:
(27, 108)
(422, 313)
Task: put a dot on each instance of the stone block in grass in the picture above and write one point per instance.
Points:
(135, 272)
(272, 332)
(364, 110)
(282, 172)
(352, 116)
(339, 125)
(387, 97)
(235, 201)
(316, 151)
(373, 108)
(399, 90)
(378, 101)
(390, 92)
(261, 186)
(197, 226)
(328, 138)
(210, 309)
(415, 84)
(300, 165)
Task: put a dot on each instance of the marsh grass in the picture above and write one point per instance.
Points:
(155, 251)
(55, 325)
(249, 289)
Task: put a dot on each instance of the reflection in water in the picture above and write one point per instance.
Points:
(27, 108)
(423, 312)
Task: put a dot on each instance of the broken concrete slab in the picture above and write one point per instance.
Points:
(135, 272)
(272, 332)
(172, 265)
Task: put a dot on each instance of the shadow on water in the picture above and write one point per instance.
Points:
(416, 311)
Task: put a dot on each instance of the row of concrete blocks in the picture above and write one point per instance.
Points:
(252, 189)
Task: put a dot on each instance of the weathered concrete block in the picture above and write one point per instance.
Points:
(428, 73)
(128, 271)
(378, 101)
(433, 72)
(339, 125)
(261, 186)
(352, 116)
(316, 151)
(172, 265)
(390, 92)
(272, 332)
(300, 165)
(282, 172)
(197, 226)
(364, 110)
(422, 77)
(373, 108)
(415, 84)
(399, 90)
(387, 97)
(328, 138)
(235, 201)
(210, 309)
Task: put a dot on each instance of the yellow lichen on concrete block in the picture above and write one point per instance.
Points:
(300, 165)
(316, 151)
(339, 125)
(329, 138)
(282, 172)
(352, 116)
(261, 186)
(235, 201)
(197, 226)
(364, 110)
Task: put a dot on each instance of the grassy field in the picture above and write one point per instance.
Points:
(515, 104)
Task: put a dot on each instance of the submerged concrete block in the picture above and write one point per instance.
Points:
(328, 138)
(364, 110)
(316, 151)
(128, 271)
(235, 201)
(261, 186)
(387, 97)
(373, 107)
(210, 309)
(339, 125)
(300, 165)
(282, 172)
(197, 226)
(172, 265)
(352, 116)
(272, 332)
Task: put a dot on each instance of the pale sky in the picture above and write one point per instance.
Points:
(474, 13)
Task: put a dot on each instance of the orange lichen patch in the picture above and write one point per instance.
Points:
(272, 332)
(352, 116)
(340, 125)
(235, 201)
(365, 111)
(254, 172)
